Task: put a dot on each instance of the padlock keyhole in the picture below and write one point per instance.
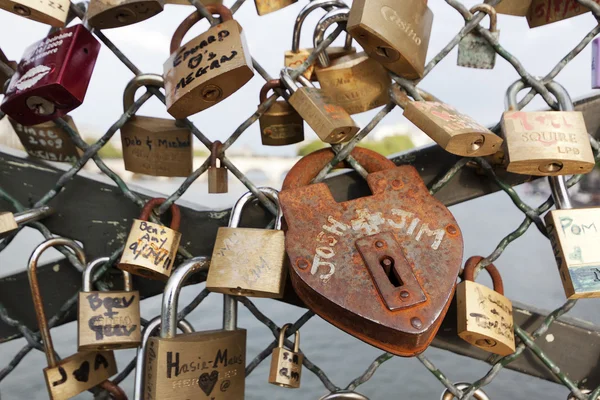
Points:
(387, 263)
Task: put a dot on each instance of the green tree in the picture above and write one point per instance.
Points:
(107, 151)
(388, 145)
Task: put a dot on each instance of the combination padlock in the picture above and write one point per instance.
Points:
(474, 51)
(154, 146)
(52, 77)
(382, 268)
(280, 125)
(217, 174)
(51, 12)
(106, 14)
(206, 69)
(151, 248)
(248, 261)
(107, 320)
(286, 365)
(82, 371)
(10, 222)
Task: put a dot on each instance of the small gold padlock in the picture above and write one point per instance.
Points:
(82, 371)
(519, 8)
(331, 122)
(547, 143)
(280, 125)
(455, 132)
(10, 222)
(286, 365)
(217, 175)
(268, 6)
(356, 81)
(106, 14)
(206, 69)
(295, 57)
(48, 141)
(107, 320)
(248, 261)
(393, 32)
(151, 248)
(485, 316)
(51, 12)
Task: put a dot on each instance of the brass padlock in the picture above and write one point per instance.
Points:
(393, 32)
(51, 12)
(519, 8)
(106, 14)
(370, 266)
(107, 320)
(140, 357)
(151, 248)
(474, 51)
(478, 395)
(201, 365)
(574, 237)
(248, 261)
(154, 146)
(10, 222)
(48, 141)
(549, 142)
(217, 175)
(82, 371)
(455, 132)
(6, 71)
(206, 69)
(485, 316)
(356, 82)
(330, 121)
(286, 365)
(543, 12)
(268, 6)
(295, 57)
(280, 125)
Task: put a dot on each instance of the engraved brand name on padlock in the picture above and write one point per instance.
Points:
(542, 12)
(390, 15)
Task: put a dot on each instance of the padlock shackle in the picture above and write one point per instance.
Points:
(215, 149)
(290, 84)
(38, 303)
(173, 287)
(150, 330)
(136, 83)
(282, 338)
(195, 17)
(34, 214)
(310, 7)
(308, 167)
(153, 203)
(238, 208)
(339, 16)
(88, 274)
(562, 96)
(478, 395)
(490, 11)
(116, 392)
(344, 394)
(270, 85)
(469, 273)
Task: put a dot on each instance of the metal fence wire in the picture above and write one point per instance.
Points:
(531, 214)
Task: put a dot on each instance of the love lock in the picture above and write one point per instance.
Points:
(382, 268)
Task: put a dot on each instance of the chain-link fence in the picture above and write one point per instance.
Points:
(531, 214)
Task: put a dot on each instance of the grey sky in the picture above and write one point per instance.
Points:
(479, 93)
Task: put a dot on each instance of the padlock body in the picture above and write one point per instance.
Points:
(337, 250)
(57, 69)
(356, 82)
(202, 365)
(474, 51)
(108, 320)
(574, 237)
(294, 60)
(543, 12)
(519, 8)
(217, 180)
(150, 250)
(106, 14)
(455, 132)
(48, 140)
(195, 80)
(248, 262)
(286, 368)
(8, 224)
(157, 147)
(485, 318)
(281, 125)
(78, 373)
(51, 12)
(393, 32)
(330, 121)
(547, 143)
(268, 6)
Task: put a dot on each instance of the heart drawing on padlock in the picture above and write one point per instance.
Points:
(82, 374)
(382, 268)
(208, 381)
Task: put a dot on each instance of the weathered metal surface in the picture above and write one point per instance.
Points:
(328, 273)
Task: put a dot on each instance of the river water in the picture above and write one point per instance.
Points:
(527, 266)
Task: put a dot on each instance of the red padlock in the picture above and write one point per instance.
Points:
(52, 77)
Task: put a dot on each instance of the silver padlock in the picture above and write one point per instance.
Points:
(478, 395)
(474, 51)
(344, 394)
